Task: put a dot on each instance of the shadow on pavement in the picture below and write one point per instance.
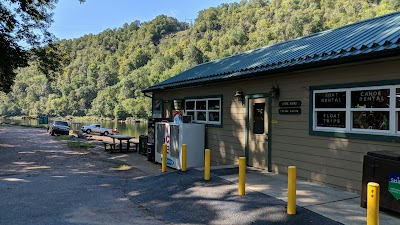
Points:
(184, 197)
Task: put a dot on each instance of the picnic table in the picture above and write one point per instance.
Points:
(121, 138)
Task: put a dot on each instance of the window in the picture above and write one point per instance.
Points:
(61, 123)
(361, 110)
(259, 118)
(207, 110)
(330, 109)
(157, 108)
(397, 116)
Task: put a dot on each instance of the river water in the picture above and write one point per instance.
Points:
(131, 129)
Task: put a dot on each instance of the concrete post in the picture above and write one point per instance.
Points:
(164, 158)
(291, 207)
(242, 175)
(184, 149)
(207, 164)
(373, 193)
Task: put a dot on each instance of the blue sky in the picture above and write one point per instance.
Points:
(73, 20)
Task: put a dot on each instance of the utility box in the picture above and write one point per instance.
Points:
(150, 152)
(382, 167)
(43, 119)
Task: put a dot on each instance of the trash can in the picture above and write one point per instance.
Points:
(382, 167)
(151, 152)
(143, 144)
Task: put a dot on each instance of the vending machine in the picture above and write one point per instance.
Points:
(151, 128)
(174, 135)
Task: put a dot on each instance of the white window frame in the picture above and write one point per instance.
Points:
(397, 111)
(207, 121)
(393, 112)
(332, 129)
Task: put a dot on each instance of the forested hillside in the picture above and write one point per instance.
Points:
(105, 73)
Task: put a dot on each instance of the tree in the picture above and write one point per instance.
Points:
(105, 72)
(23, 30)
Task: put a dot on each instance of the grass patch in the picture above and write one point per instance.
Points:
(64, 137)
(78, 144)
(73, 143)
(124, 167)
(117, 165)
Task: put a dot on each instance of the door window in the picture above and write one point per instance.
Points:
(259, 118)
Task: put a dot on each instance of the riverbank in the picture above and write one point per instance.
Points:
(131, 129)
(23, 125)
(76, 119)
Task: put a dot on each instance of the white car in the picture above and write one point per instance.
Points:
(96, 128)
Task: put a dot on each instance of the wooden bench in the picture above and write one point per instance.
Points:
(89, 138)
(134, 143)
(110, 145)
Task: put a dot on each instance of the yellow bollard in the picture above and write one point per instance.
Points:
(242, 175)
(164, 158)
(184, 157)
(373, 203)
(207, 164)
(291, 204)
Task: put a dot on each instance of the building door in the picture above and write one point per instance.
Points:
(258, 121)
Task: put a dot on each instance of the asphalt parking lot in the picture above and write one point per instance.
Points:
(185, 198)
(43, 181)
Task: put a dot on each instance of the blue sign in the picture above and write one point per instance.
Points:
(394, 185)
(170, 162)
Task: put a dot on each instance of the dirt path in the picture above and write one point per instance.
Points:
(33, 150)
(43, 181)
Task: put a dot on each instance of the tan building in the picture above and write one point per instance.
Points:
(319, 102)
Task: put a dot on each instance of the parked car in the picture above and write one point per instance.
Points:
(58, 127)
(96, 128)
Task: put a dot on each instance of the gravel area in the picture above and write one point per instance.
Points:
(43, 181)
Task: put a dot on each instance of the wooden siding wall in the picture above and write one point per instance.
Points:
(332, 161)
(227, 142)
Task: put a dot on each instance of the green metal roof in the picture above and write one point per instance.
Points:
(366, 39)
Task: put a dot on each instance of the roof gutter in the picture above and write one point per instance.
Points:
(145, 94)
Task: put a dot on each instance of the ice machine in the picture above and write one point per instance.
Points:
(174, 135)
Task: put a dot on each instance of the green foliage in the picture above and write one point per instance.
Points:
(24, 37)
(103, 74)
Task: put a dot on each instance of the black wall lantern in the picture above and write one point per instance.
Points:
(275, 92)
(238, 96)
